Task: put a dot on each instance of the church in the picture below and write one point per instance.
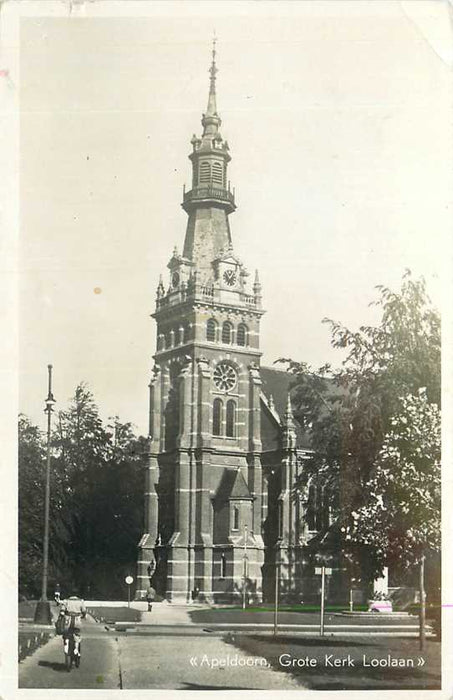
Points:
(221, 521)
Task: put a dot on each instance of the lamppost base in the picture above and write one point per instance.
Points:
(43, 615)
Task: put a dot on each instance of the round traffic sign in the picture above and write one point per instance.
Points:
(129, 580)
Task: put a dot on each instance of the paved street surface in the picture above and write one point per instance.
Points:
(191, 648)
(99, 667)
(117, 660)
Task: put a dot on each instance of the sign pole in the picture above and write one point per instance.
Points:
(244, 588)
(276, 593)
(422, 604)
(323, 579)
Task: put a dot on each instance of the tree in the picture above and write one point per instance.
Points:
(96, 501)
(400, 519)
(348, 411)
(31, 507)
(31, 472)
(100, 468)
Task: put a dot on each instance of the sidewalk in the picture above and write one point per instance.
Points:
(163, 612)
(166, 614)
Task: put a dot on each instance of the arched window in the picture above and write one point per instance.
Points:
(235, 518)
(241, 335)
(222, 565)
(312, 505)
(227, 332)
(217, 417)
(230, 418)
(217, 173)
(205, 171)
(211, 328)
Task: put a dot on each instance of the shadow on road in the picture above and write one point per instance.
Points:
(300, 641)
(196, 686)
(54, 665)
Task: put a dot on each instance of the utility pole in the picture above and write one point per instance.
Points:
(422, 604)
(42, 612)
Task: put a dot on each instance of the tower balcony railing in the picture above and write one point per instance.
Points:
(209, 193)
(206, 292)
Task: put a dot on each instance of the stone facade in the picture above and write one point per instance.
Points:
(224, 448)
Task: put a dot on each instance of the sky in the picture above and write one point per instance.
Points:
(338, 119)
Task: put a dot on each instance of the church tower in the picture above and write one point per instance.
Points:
(204, 485)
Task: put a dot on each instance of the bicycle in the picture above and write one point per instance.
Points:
(70, 655)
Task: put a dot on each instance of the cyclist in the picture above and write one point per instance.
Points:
(74, 610)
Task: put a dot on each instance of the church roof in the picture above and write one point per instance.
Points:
(233, 486)
(276, 385)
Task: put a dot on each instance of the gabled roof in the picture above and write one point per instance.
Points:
(276, 385)
(233, 486)
(227, 256)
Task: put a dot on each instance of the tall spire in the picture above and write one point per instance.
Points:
(211, 120)
(212, 104)
(210, 200)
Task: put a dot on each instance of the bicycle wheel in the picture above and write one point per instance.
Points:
(69, 653)
(77, 657)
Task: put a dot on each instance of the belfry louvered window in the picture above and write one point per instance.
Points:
(217, 173)
(227, 332)
(211, 330)
(205, 172)
(217, 417)
(241, 335)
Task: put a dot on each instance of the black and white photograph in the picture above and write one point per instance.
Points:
(232, 258)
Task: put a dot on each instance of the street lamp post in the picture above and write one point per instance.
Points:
(42, 612)
(129, 580)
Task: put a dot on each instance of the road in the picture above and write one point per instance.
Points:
(129, 660)
(178, 648)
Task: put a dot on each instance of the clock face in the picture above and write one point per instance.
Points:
(229, 277)
(175, 279)
(225, 378)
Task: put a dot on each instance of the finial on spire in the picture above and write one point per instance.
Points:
(257, 289)
(213, 68)
(289, 417)
(212, 106)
